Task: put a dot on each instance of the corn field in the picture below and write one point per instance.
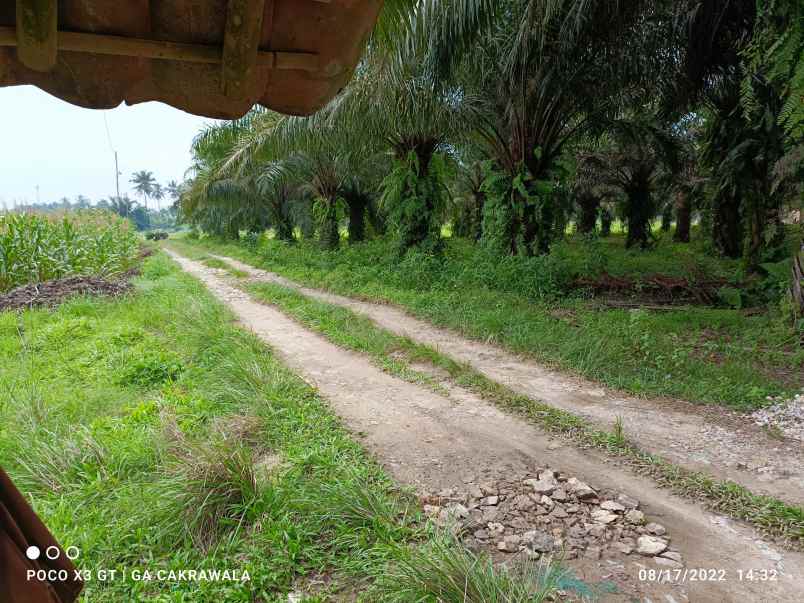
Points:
(36, 248)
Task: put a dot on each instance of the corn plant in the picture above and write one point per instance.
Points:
(36, 248)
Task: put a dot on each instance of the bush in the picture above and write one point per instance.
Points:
(156, 235)
(152, 368)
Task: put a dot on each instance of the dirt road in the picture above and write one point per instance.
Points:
(434, 441)
(714, 440)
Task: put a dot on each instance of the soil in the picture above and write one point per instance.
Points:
(433, 442)
(656, 287)
(714, 440)
(53, 293)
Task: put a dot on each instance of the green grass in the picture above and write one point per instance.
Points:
(707, 355)
(35, 248)
(152, 433)
(395, 354)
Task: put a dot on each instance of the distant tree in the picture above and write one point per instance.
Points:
(173, 190)
(158, 193)
(82, 202)
(141, 218)
(144, 183)
(123, 206)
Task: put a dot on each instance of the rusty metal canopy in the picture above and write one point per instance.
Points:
(210, 57)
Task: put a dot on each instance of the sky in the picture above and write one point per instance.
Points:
(65, 150)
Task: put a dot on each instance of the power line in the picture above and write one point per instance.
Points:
(111, 147)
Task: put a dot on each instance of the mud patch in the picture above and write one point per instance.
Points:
(53, 293)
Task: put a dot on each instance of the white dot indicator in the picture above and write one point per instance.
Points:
(33, 552)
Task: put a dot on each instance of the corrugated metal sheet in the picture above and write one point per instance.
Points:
(334, 32)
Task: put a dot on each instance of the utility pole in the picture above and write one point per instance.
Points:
(116, 175)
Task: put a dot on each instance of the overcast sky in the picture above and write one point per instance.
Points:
(65, 149)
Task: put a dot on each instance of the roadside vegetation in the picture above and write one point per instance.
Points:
(157, 436)
(711, 354)
(41, 247)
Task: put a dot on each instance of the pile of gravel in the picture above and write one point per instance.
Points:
(786, 415)
(549, 512)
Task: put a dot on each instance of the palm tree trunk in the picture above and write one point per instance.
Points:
(639, 213)
(357, 216)
(727, 227)
(589, 205)
(329, 236)
(683, 217)
(605, 222)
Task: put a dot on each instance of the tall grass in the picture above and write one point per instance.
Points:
(35, 248)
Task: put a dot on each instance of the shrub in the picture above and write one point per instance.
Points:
(156, 235)
(152, 368)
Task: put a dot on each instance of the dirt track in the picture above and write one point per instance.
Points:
(432, 441)
(714, 440)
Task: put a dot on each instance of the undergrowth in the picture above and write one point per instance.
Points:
(708, 355)
(164, 437)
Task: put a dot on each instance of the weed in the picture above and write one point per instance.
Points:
(443, 570)
(215, 486)
(618, 435)
(151, 368)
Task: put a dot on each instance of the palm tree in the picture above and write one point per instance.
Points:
(143, 182)
(398, 105)
(630, 158)
(173, 189)
(158, 193)
(532, 71)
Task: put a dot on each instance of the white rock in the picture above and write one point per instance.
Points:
(627, 501)
(650, 545)
(603, 516)
(674, 555)
(496, 529)
(490, 501)
(668, 562)
(510, 544)
(656, 529)
(559, 494)
(610, 505)
(542, 486)
(580, 489)
(635, 517)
